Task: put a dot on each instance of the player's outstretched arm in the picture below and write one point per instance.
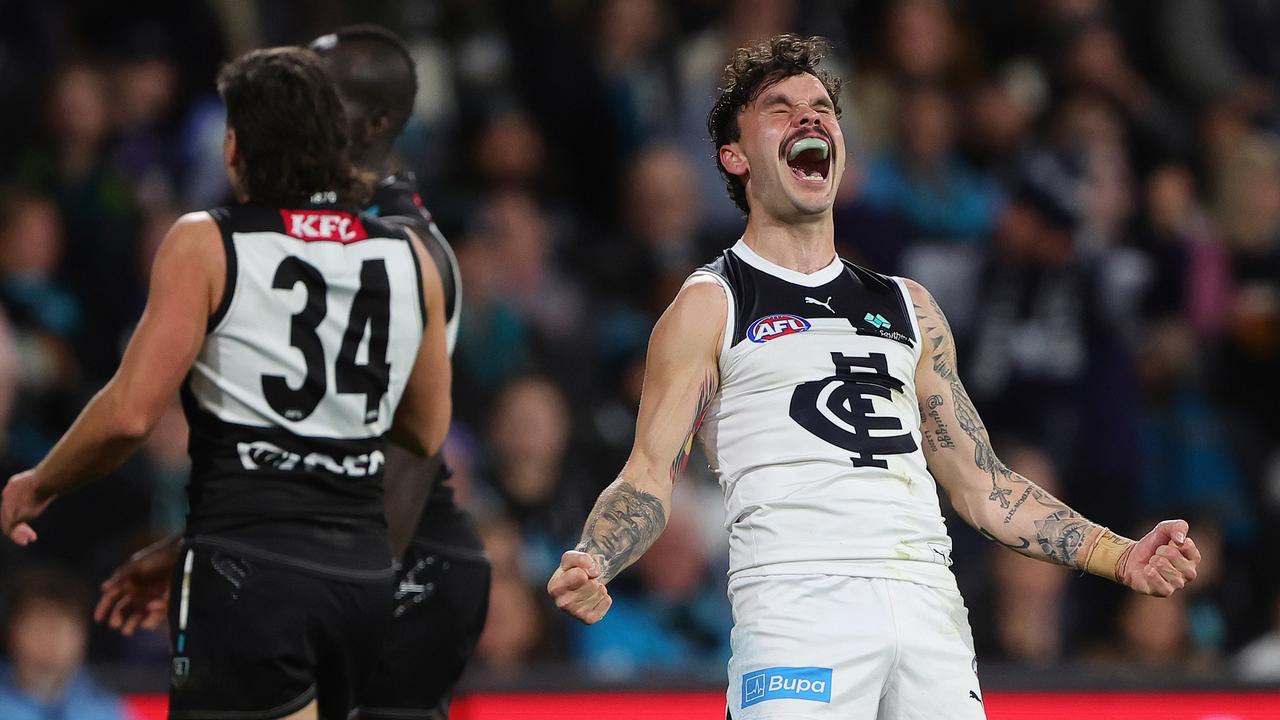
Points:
(422, 418)
(681, 377)
(1013, 510)
(187, 281)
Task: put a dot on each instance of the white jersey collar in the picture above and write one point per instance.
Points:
(816, 278)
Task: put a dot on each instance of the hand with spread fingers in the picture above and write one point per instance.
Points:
(137, 593)
(1162, 562)
(576, 588)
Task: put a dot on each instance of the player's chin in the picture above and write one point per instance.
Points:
(810, 198)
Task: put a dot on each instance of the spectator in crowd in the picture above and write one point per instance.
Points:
(46, 319)
(47, 635)
(515, 633)
(1222, 51)
(919, 44)
(1187, 460)
(661, 241)
(538, 488)
(98, 213)
(926, 180)
(637, 69)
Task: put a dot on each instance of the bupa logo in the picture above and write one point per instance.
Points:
(323, 225)
(776, 326)
(786, 683)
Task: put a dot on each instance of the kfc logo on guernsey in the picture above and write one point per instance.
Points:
(771, 327)
(330, 225)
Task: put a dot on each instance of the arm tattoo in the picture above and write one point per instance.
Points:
(706, 391)
(1060, 532)
(944, 363)
(627, 520)
(622, 525)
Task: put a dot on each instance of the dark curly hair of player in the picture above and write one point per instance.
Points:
(291, 131)
(752, 70)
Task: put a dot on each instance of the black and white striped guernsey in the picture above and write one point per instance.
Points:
(296, 384)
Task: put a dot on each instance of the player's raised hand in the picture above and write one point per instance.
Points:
(1163, 561)
(20, 504)
(576, 589)
(137, 593)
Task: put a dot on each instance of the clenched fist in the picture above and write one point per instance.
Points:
(1163, 561)
(576, 588)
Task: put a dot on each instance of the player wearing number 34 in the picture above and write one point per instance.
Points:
(302, 336)
(828, 401)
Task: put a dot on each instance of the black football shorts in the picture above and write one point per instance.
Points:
(438, 610)
(254, 640)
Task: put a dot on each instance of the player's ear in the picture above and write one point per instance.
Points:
(229, 147)
(733, 159)
(378, 124)
(231, 161)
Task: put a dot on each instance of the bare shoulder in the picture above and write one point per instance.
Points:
(694, 321)
(191, 257)
(926, 307)
(702, 290)
(196, 222)
(193, 239)
(920, 296)
(430, 273)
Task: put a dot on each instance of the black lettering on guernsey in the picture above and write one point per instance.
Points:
(838, 409)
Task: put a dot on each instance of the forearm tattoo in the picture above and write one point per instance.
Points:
(626, 520)
(623, 524)
(1059, 531)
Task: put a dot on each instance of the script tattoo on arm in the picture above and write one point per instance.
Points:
(1029, 511)
(943, 355)
(624, 523)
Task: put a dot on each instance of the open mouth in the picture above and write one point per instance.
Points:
(810, 159)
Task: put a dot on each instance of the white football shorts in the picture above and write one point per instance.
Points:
(827, 647)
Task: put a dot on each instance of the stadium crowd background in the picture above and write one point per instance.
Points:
(1091, 189)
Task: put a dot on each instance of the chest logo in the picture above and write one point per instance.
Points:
(839, 410)
(824, 303)
(771, 327)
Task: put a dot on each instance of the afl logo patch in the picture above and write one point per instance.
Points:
(770, 327)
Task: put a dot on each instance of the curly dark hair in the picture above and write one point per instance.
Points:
(752, 70)
(291, 132)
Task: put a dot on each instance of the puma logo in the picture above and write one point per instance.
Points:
(827, 304)
(974, 695)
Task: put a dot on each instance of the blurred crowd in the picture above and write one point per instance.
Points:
(1091, 189)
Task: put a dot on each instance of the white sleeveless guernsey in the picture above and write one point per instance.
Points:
(814, 433)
